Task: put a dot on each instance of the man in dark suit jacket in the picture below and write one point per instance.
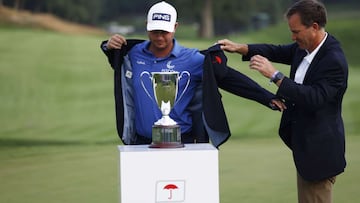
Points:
(311, 126)
(200, 107)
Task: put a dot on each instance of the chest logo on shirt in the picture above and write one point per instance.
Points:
(169, 65)
(141, 62)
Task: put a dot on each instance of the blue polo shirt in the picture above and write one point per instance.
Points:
(180, 59)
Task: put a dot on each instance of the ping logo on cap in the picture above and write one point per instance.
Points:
(161, 16)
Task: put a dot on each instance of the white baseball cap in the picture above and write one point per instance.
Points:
(161, 16)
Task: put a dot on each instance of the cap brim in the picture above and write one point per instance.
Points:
(160, 26)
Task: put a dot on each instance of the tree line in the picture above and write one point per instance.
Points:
(212, 17)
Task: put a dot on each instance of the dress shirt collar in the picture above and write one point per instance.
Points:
(310, 56)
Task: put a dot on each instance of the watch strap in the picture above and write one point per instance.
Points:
(277, 76)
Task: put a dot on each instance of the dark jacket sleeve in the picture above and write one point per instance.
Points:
(276, 53)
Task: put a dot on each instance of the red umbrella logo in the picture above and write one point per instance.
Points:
(217, 60)
(170, 187)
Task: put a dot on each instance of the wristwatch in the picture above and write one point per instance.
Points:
(276, 77)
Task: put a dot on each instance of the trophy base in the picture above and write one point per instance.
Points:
(166, 145)
(166, 137)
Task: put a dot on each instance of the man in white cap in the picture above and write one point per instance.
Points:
(161, 53)
(136, 111)
(161, 27)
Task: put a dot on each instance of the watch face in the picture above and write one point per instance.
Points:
(281, 76)
(278, 77)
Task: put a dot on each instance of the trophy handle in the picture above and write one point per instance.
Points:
(142, 83)
(186, 86)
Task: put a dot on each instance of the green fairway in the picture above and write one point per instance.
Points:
(251, 170)
(58, 138)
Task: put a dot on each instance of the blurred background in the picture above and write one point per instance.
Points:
(207, 17)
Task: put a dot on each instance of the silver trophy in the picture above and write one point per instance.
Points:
(165, 132)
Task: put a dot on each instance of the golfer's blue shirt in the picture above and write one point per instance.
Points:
(180, 59)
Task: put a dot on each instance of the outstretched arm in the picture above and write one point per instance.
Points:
(233, 47)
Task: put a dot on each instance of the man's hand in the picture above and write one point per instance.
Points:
(233, 47)
(116, 42)
(263, 65)
(278, 105)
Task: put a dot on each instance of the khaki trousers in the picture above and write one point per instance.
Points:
(315, 192)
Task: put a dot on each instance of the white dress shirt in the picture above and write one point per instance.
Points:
(304, 65)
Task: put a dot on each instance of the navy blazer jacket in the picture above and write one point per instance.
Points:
(312, 125)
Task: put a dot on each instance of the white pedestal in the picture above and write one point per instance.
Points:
(188, 174)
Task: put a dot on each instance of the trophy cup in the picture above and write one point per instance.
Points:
(165, 132)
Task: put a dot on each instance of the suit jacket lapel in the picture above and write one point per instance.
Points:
(316, 59)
